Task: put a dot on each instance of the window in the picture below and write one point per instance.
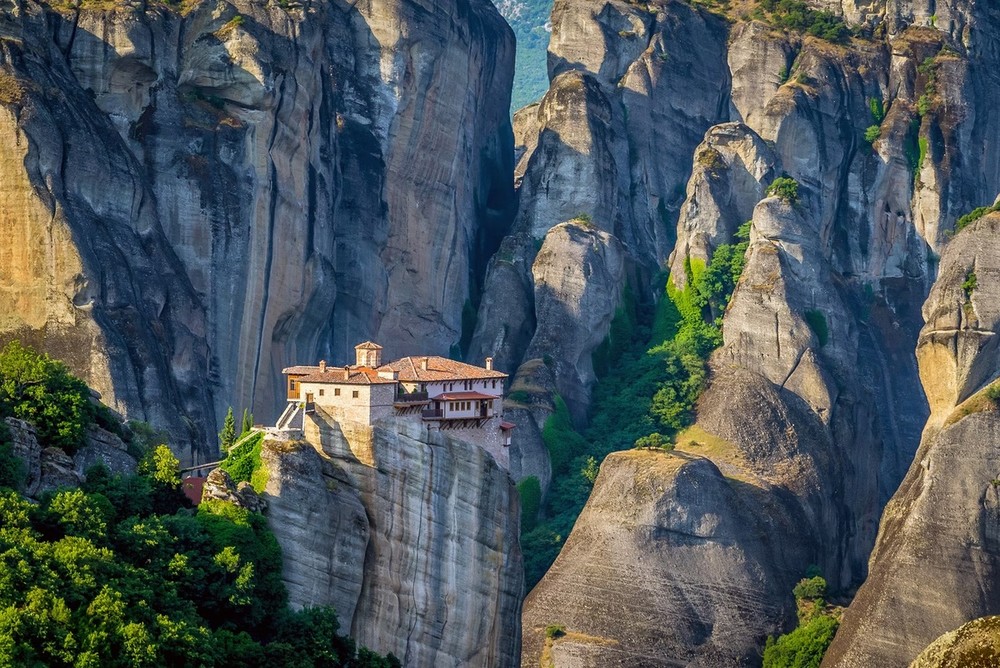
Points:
(336, 392)
(354, 394)
(322, 393)
(494, 385)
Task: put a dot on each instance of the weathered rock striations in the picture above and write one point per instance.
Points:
(936, 561)
(411, 536)
(225, 190)
(813, 410)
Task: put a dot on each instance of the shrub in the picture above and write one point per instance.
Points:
(993, 393)
(877, 109)
(561, 439)
(520, 396)
(530, 491)
(796, 15)
(802, 648)
(810, 589)
(11, 467)
(817, 323)
(555, 631)
(872, 133)
(969, 285)
(654, 441)
(786, 188)
(974, 215)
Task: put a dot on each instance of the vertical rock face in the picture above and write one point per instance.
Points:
(937, 558)
(235, 187)
(813, 411)
(411, 536)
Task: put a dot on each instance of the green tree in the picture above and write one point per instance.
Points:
(38, 389)
(247, 422)
(162, 467)
(786, 188)
(810, 589)
(530, 491)
(228, 434)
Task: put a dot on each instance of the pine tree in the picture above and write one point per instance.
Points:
(247, 422)
(228, 434)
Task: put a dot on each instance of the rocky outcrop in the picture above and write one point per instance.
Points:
(25, 446)
(732, 169)
(640, 579)
(935, 564)
(412, 536)
(218, 186)
(47, 469)
(814, 397)
(974, 644)
(577, 274)
(219, 486)
(106, 449)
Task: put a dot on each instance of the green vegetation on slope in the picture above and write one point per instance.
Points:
(41, 390)
(805, 645)
(123, 572)
(529, 19)
(243, 463)
(974, 215)
(651, 371)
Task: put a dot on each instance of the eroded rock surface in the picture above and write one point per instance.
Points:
(814, 400)
(216, 187)
(411, 536)
(938, 553)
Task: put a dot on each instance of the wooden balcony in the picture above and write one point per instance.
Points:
(411, 397)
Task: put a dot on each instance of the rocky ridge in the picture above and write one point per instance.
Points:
(936, 559)
(813, 413)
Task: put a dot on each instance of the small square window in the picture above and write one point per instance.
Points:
(354, 394)
(336, 391)
(322, 393)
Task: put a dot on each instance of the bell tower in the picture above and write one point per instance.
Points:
(368, 354)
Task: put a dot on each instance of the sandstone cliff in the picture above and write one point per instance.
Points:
(411, 536)
(935, 564)
(196, 197)
(813, 411)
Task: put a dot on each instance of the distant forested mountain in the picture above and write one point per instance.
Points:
(530, 21)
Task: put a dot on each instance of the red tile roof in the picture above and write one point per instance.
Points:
(368, 345)
(438, 368)
(359, 375)
(300, 370)
(456, 396)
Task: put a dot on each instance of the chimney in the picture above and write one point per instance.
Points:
(423, 364)
(322, 366)
(347, 373)
(489, 364)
